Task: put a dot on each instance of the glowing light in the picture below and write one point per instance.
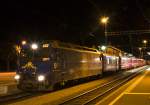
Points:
(83, 61)
(104, 20)
(130, 55)
(45, 45)
(18, 49)
(45, 59)
(114, 58)
(148, 69)
(124, 58)
(23, 42)
(41, 78)
(103, 48)
(144, 41)
(148, 53)
(140, 48)
(17, 77)
(34, 46)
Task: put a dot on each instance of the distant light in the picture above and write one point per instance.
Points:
(45, 45)
(104, 20)
(17, 77)
(45, 59)
(148, 53)
(18, 49)
(113, 58)
(124, 58)
(34, 46)
(140, 48)
(103, 48)
(83, 61)
(148, 69)
(130, 55)
(144, 41)
(23, 42)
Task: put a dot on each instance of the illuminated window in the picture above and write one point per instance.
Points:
(108, 61)
(45, 45)
(45, 59)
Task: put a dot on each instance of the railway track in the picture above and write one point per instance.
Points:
(24, 95)
(92, 96)
(86, 98)
(13, 97)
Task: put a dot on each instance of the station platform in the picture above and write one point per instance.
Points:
(7, 83)
(128, 94)
(135, 92)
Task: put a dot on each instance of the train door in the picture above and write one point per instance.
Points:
(119, 63)
(103, 63)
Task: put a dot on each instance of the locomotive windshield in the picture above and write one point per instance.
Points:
(35, 56)
(30, 54)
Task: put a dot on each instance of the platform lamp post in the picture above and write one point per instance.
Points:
(24, 42)
(34, 47)
(104, 20)
(145, 43)
(141, 54)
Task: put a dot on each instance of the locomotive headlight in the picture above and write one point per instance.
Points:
(41, 78)
(17, 77)
(34, 46)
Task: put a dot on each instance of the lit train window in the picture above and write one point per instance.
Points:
(45, 59)
(108, 61)
(101, 58)
(45, 45)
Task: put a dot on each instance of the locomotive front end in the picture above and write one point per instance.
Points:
(34, 68)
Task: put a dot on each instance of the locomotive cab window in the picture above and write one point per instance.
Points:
(40, 53)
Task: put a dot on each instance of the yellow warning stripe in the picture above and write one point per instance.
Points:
(138, 93)
(130, 88)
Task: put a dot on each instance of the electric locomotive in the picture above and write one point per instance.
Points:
(44, 65)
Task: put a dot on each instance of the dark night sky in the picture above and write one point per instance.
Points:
(75, 21)
(70, 20)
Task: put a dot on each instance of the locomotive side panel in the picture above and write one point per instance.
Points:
(79, 64)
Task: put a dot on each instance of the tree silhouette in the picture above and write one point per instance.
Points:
(8, 56)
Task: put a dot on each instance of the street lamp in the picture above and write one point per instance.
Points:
(104, 20)
(34, 47)
(140, 52)
(103, 48)
(144, 47)
(23, 42)
(145, 42)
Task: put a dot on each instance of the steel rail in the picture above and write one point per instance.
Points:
(15, 96)
(112, 88)
(123, 79)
